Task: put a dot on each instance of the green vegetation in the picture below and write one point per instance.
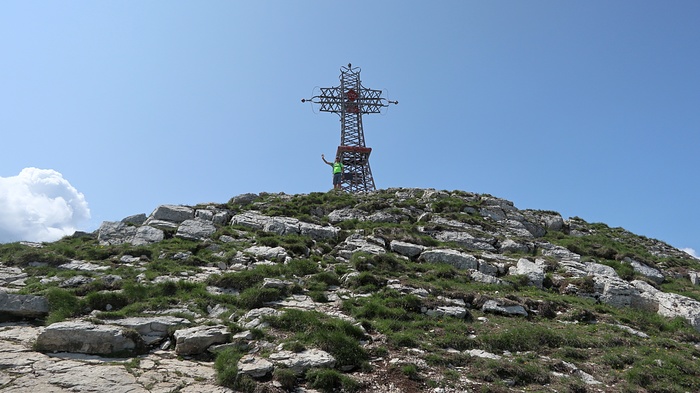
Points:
(337, 337)
(532, 353)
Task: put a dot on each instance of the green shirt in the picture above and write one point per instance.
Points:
(337, 167)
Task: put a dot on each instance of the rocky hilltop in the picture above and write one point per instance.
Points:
(399, 290)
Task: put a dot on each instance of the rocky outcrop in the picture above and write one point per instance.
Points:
(482, 242)
(299, 362)
(86, 337)
(23, 306)
(667, 304)
(284, 225)
(459, 260)
(197, 339)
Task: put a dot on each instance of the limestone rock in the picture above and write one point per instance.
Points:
(255, 366)
(197, 339)
(406, 249)
(614, 291)
(651, 273)
(151, 329)
(23, 306)
(358, 243)
(465, 240)
(669, 305)
(11, 276)
(276, 254)
(447, 311)
(455, 258)
(85, 337)
(284, 225)
(196, 229)
(299, 362)
(530, 269)
(136, 219)
(346, 214)
(147, 235)
(318, 232)
(115, 233)
(501, 307)
(171, 213)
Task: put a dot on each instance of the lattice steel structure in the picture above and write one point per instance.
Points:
(350, 101)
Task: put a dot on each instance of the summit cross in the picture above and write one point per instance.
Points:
(350, 101)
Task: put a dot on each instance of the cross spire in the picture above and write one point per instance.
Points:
(350, 100)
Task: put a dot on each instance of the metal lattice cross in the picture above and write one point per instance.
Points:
(350, 101)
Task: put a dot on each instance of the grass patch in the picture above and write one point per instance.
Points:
(337, 337)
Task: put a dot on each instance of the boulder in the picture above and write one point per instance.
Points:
(406, 249)
(196, 340)
(243, 199)
(172, 213)
(510, 245)
(318, 232)
(358, 243)
(530, 269)
(614, 291)
(253, 318)
(447, 311)
(651, 273)
(284, 225)
(382, 216)
(558, 252)
(147, 235)
(11, 276)
(255, 366)
(195, 229)
(694, 277)
(277, 254)
(455, 258)
(299, 362)
(504, 308)
(255, 220)
(83, 266)
(136, 219)
(115, 233)
(86, 337)
(669, 305)
(465, 240)
(23, 306)
(151, 329)
(346, 214)
(486, 278)
(600, 270)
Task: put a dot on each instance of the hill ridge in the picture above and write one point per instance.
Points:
(401, 289)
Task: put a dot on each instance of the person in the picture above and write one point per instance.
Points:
(337, 170)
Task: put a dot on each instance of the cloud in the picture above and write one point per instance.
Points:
(39, 205)
(691, 252)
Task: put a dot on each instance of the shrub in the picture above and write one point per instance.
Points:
(328, 278)
(62, 305)
(530, 337)
(257, 297)
(337, 337)
(327, 380)
(100, 300)
(285, 377)
(411, 371)
(226, 366)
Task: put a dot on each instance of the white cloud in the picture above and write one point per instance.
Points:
(691, 252)
(39, 205)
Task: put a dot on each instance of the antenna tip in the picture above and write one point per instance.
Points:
(303, 100)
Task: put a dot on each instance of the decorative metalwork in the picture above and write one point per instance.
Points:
(350, 101)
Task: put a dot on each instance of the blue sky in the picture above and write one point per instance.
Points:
(588, 108)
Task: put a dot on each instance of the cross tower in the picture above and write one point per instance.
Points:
(350, 100)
